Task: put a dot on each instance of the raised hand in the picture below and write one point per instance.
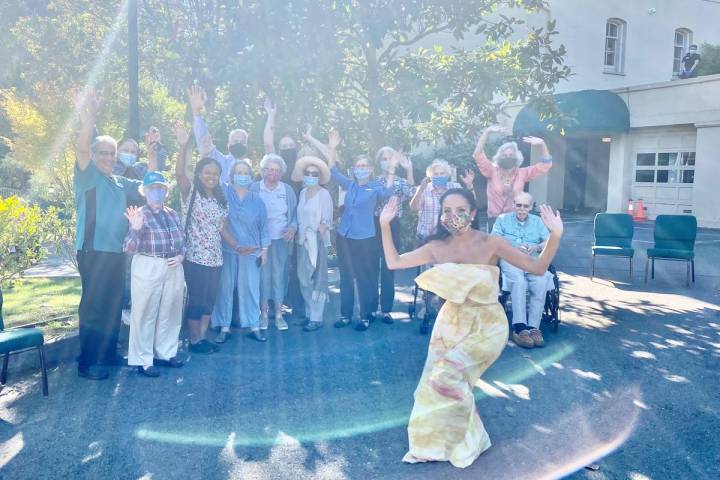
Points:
(395, 159)
(551, 219)
(88, 104)
(152, 136)
(135, 217)
(533, 140)
(468, 177)
(497, 129)
(307, 136)
(197, 97)
(334, 138)
(389, 211)
(405, 161)
(181, 133)
(269, 106)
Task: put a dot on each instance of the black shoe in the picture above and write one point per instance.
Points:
(115, 361)
(362, 325)
(93, 372)
(342, 322)
(257, 335)
(312, 326)
(172, 363)
(149, 371)
(212, 345)
(201, 348)
(387, 318)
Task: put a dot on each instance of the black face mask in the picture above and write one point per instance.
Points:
(238, 150)
(507, 163)
(290, 157)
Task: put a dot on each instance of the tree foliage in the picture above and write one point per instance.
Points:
(710, 60)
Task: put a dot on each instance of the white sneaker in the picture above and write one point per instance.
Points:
(280, 323)
(263, 322)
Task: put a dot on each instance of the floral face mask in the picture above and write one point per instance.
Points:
(456, 222)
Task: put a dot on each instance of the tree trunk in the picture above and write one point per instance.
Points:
(376, 135)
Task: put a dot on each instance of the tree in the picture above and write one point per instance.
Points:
(710, 60)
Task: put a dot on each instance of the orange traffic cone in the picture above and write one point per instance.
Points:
(640, 210)
(630, 209)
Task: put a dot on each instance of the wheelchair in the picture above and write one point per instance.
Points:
(551, 309)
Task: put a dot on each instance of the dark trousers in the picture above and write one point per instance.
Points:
(102, 275)
(359, 263)
(387, 276)
(293, 297)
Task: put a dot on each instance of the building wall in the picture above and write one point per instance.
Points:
(649, 37)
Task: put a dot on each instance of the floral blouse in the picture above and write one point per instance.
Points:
(203, 235)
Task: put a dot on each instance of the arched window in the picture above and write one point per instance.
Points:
(683, 39)
(615, 32)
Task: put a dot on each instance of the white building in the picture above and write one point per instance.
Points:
(669, 154)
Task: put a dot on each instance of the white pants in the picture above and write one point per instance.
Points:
(518, 283)
(156, 292)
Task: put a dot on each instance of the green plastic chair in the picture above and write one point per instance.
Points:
(613, 238)
(18, 340)
(674, 240)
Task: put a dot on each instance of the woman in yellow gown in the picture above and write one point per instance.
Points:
(471, 329)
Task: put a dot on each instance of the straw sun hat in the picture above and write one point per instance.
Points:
(303, 162)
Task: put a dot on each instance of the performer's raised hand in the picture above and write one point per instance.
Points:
(389, 211)
(551, 219)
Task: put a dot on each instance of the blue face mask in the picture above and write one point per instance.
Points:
(155, 196)
(127, 159)
(310, 181)
(242, 180)
(440, 181)
(361, 173)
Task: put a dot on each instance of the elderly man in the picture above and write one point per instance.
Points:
(237, 139)
(528, 233)
(100, 201)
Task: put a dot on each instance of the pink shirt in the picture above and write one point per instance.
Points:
(499, 196)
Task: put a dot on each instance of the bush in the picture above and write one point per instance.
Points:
(23, 232)
(14, 175)
(709, 60)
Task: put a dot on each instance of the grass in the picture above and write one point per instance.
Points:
(33, 300)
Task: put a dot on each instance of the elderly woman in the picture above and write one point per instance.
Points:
(156, 239)
(426, 201)
(315, 216)
(204, 211)
(505, 176)
(281, 204)
(245, 250)
(403, 188)
(357, 241)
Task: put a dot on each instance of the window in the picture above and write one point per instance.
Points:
(665, 168)
(680, 47)
(614, 45)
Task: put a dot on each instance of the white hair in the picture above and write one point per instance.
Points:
(514, 146)
(240, 161)
(438, 162)
(107, 139)
(380, 155)
(273, 158)
(526, 195)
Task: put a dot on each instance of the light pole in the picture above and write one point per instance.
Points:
(133, 128)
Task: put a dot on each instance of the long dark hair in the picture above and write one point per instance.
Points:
(217, 192)
(442, 233)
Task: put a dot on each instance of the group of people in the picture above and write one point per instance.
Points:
(241, 241)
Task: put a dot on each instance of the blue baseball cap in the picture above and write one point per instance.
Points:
(154, 178)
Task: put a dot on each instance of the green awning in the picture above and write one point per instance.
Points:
(586, 111)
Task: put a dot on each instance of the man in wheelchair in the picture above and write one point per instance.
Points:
(528, 233)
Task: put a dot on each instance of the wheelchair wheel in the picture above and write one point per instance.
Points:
(411, 311)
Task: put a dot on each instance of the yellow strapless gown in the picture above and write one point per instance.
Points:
(470, 332)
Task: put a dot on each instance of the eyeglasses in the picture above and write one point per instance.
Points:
(522, 205)
(312, 173)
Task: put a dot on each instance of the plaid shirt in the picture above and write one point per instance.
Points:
(160, 236)
(401, 189)
(430, 210)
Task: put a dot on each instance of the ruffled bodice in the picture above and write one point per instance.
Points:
(458, 283)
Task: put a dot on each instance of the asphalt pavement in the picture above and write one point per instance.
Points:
(629, 384)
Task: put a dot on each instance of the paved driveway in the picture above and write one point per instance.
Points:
(630, 382)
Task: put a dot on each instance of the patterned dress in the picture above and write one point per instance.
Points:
(470, 332)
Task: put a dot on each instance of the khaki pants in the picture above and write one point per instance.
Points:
(156, 314)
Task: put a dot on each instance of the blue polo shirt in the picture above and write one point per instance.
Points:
(358, 218)
(530, 232)
(100, 203)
